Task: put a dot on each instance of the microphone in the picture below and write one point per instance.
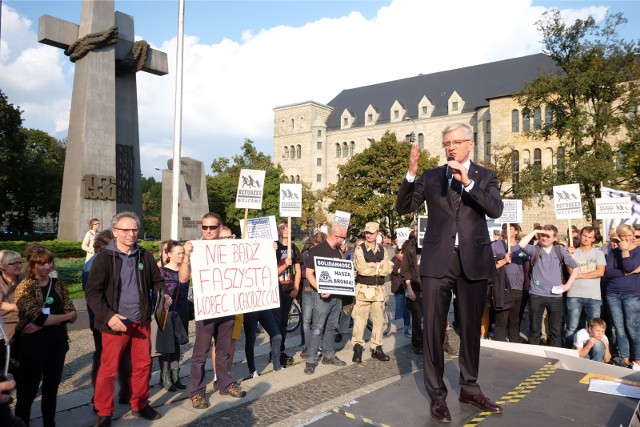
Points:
(449, 173)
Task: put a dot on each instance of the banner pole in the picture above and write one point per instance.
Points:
(570, 234)
(246, 218)
(289, 238)
(508, 231)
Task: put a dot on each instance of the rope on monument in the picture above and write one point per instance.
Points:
(79, 49)
(135, 59)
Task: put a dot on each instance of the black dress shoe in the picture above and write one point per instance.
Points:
(481, 401)
(148, 413)
(103, 422)
(440, 411)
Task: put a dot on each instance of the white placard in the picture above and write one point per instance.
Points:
(402, 235)
(233, 276)
(342, 218)
(422, 228)
(619, 207)
(512, 212)
(250, 189)
(335, 276)
(567, 201)
(291, 200)
(261, 228)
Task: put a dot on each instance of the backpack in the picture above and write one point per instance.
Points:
(563, 267)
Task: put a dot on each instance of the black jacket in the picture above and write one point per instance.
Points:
(103, 286)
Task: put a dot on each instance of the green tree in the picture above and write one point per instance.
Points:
(11, 149)
(368, 183)
(223, 184)
(593, 100)
(38, 189)
(151, 206)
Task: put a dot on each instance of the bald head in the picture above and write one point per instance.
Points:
(337, 236)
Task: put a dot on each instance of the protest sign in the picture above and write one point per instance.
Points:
(342, 218)
(250, 189)
(261, 228)
(567, 201)
(619, 207)
(511, 213)
(422, 228)
(402, 234)
(233, 276)
(334, 276)
(291, 200)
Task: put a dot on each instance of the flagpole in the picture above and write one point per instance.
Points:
(177, 128)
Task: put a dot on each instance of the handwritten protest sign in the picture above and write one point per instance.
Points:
(250, 189)
(334, 276)
(233, 276)
(618, 207)
(261, 228)
(342, 218)
(402, 234)
(567, 201)
(291, 200)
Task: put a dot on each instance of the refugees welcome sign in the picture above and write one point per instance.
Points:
(233, 276)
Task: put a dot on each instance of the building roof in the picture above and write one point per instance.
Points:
(475, 85)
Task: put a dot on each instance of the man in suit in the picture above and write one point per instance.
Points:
(456, 256)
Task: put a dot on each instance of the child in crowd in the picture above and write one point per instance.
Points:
(592, 343)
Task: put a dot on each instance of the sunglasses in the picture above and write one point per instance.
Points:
(15, 263)
(210, 227)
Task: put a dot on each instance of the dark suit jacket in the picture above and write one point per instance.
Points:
(469, 222)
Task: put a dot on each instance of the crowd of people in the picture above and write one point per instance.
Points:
(529, 287)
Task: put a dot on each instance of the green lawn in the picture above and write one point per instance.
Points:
(70, 272)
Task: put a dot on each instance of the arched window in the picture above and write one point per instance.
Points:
(515, 167)
(421, 141)
(537, 118)
(352, 148)
(299, 151)
(293, 124)
(526, 120)
(548, 117)
(286, 179)
(291, 179)
(537, 157)
(286, 152)
(292, 151)
(526, 157)
(297, 179)
(338, 150)
(345, 149)
(515, 121)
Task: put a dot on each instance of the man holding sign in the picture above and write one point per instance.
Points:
(326, 307)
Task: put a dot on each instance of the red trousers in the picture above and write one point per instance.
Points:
(113, 346)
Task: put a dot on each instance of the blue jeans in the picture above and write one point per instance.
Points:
(555, 309)
(575, 305)
(268, 321)
(326, 314)
(597, 352)
(625, 313)
(402, 311)
(307, 312)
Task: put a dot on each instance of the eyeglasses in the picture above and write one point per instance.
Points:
(15, 263)
(210, 227)
(456, 143)
(126, 231)
(233, 236)
(342, 237)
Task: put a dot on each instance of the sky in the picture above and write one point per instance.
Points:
(244, 58)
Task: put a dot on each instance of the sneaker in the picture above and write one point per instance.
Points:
(635, 366)
(254, 374)
(198, 402)
(310, 368)
(285, 360)
(148, 413)
(303, 353)
(407, 333)
(103, 422)
(334, 361)
(234, 391)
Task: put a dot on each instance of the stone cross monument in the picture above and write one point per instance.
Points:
(102, 165)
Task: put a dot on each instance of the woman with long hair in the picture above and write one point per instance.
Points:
(177, 284)
(44, 309)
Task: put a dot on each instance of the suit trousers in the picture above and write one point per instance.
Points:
(436, 298)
